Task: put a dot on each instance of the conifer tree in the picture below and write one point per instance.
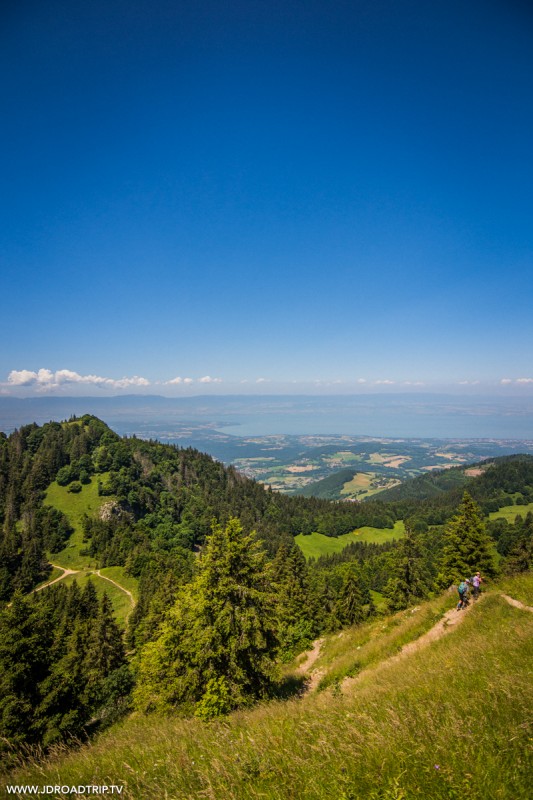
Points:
(349, 606)
(408, 582)
(105, 647)
(294, 606)
(24, 658)
(64, 709)
(88, 601)
(467, 546)
(105, 654)
(216, 649)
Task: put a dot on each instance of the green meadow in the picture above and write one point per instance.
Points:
(510, 512)
(316, 544)
(74, 506)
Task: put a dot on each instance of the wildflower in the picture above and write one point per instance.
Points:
(437, 766)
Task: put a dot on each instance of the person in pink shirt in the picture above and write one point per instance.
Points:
(476, 585)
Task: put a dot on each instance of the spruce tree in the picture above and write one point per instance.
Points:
(24, 661)
(349, 606)
(467, 546)
(216, 650)
(294, 601)
(408, 582)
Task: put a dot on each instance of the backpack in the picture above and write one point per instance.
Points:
(462, 587)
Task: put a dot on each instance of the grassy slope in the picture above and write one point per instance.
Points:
(447, 722)
(316, 544)
(74, 506)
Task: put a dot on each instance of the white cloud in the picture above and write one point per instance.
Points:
(188, 380)
(385, 382)
(506, 381)
(174, 381)
(524, 380)
(45, 379)
(468, 383)
(262, 380)
(361, 380)
(21, 377)
(209, 379)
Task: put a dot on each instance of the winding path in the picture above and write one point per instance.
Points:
(126, 591)
(67, 572)
(451, 619)
(64, 575)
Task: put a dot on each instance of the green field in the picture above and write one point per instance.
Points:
(74, 506)
(510, 512)
(316, 544)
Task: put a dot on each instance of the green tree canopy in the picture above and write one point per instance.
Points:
(408, 581)
(467, 546)
(217, 646)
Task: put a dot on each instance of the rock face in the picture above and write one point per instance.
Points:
(111, 510)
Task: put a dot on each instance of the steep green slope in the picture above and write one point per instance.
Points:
(448, 720)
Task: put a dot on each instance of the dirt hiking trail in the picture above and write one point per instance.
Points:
(67, 572)
(448, 622)
(517, 603)
(64, 575)
(122, 589)
(315, 675)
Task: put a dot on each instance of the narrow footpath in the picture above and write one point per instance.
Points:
(122, 589)
(447, 623)
(67, 572)
(64, 575)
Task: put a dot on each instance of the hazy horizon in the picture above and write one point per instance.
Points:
(419, 415)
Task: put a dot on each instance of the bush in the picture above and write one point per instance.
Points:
(64, 476)
(75, 487)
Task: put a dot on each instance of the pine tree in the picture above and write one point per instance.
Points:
(64, 709)
(24, 660)
(467, 546)
(216, 649)
(349, 606)
(294, 600)
(408, 582)
(106, 647)
(105, 655)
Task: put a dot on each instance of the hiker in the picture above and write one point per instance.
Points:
(476, 584)
(463, 594)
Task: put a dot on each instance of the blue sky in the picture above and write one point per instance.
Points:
(266, 196)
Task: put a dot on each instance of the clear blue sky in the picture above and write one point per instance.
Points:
(317, 194)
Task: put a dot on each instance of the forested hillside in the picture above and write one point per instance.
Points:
(223, 594)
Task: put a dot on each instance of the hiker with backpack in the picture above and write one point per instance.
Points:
(463, 594)
(476, 583)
